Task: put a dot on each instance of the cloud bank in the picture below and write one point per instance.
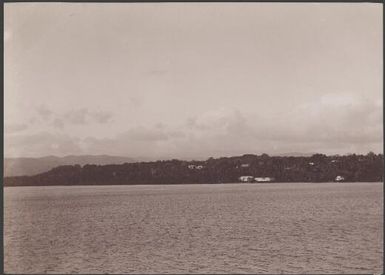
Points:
(331, 125)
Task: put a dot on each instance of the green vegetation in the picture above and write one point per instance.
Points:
(317, 168)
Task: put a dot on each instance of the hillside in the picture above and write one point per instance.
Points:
(317, 168)
(33, 166)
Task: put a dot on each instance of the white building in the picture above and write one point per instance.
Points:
(339, 178)
(192, 166)
(246, 178)
(263, 179)
(245, 165)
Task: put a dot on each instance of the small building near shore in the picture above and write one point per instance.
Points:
(246, 178)
(263, 179)
(339, 178)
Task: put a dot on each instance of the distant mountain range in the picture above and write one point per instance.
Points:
(33, 166)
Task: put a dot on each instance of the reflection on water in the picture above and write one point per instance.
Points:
(227, 228)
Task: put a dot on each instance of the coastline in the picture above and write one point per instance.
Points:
(193, 184)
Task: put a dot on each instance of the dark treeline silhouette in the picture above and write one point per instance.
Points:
(317, 168)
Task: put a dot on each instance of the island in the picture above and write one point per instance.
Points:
(246, 168)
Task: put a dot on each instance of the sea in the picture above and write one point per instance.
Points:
(291, 228)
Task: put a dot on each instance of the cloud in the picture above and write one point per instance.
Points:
(84, 116)
(338, 119)
(318, 126)
(329, 125)
(44, 112)
(101, 117)
(77, 116)
(143, 134)
(80, 116)
(40, 144)
(58, 123)
(14, 128)
(153, 142)
(122, 145)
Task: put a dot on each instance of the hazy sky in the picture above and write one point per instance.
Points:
(192, 80)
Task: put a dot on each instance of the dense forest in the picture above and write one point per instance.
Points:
(317, 168)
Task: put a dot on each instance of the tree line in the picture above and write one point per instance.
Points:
(316, 168)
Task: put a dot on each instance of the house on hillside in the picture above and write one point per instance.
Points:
(246, 178)
(193, 166)
(245, 165)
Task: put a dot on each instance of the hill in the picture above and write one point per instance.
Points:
(33, 166)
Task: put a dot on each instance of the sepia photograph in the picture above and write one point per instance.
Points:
(193, 138)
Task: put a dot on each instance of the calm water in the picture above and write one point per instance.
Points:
(228, 228)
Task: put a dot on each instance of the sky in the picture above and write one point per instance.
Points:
(192, 80)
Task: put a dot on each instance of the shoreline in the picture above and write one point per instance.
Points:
(198, 184)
